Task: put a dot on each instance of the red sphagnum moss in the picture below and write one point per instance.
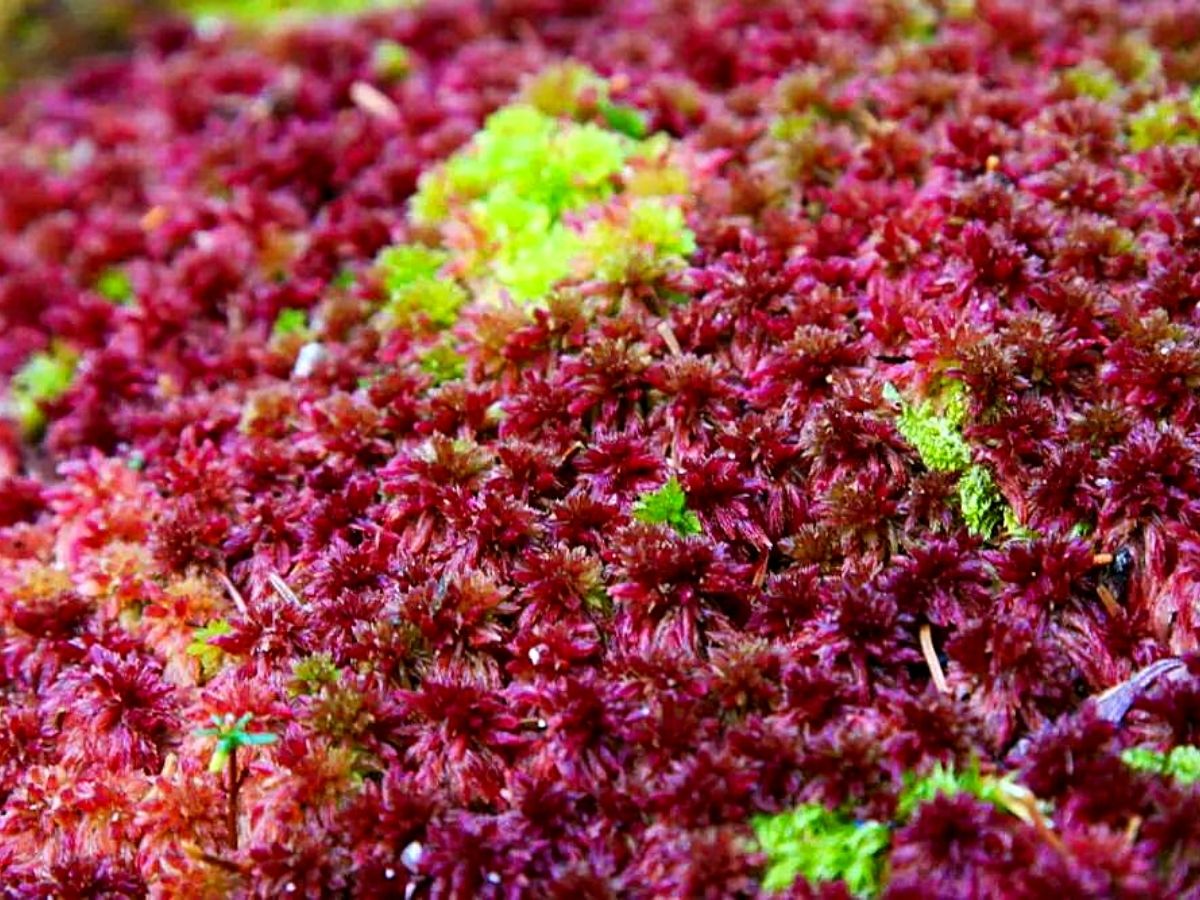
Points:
(560, 442)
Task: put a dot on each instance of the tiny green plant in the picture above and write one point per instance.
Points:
(1001, 791)
(417, 293)
(624, 119)
(1181, 763)
(311, 674)
(667, 506)
(820, 845)
(231, 735)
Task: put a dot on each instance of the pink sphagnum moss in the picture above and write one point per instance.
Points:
(641, 449)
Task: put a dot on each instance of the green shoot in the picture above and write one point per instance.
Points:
(624, 119)
(945, 780)
(667, 506)
(819, 845)
(232, 734)
(1002, 792)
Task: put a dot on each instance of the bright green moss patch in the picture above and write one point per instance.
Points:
(115, 286)
(266, 11)
(208, 656)
(1166, 122)
(1182, 763)
(818, 845)
(311, 674)
(637, 242)
(1092, 79)
(983, 507)
(537, 198)
(934, 428)
(390, 61)
(290, 321)
(416, 291)
(667, 506)
(947, 781)
(443, 363)
(44, 378)
(623, 119)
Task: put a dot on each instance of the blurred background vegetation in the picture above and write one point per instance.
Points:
(39, 37)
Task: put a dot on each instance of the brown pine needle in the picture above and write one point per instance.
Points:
(1109, 601)
(931, 659)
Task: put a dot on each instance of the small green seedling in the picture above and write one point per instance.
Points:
(231, 735)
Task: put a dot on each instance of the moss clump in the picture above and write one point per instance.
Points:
(44, 378)
(1166, 122)
(417, 293)
(934, 428)
(1181, 763)
(535, 199)
(667, 506)
(819, 845)
(115, 286)
(265, 12)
